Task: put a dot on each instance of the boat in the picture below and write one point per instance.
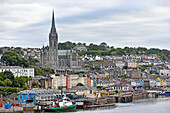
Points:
(165, 94)
(65, 104)
(99, 105)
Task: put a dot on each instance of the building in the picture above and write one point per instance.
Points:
(85, 91)
(80, 47)
(56, 59)
(119, 63)
(132, 64)
(18, 71)
(122, 87)
(46, 82)
(68, 81)
(100, 64)
(37, 95)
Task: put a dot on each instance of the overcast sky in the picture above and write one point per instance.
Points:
(119, 23)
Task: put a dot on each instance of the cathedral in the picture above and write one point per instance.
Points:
(56, 59)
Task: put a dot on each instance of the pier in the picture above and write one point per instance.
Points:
(11, 110)
(154, 93)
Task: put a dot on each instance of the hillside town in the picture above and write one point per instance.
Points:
(91, 74)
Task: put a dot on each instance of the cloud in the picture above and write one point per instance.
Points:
(119, 23)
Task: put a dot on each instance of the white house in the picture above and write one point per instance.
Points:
(18, 71)
(120, 64)
(121, 87)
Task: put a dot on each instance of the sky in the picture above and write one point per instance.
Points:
(119, 23)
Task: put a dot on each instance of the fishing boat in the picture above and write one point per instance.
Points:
(65, 104)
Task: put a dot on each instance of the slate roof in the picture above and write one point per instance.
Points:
(82, 88)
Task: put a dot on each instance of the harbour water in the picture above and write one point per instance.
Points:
(149, 105)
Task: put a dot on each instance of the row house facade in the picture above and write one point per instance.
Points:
(18, 71)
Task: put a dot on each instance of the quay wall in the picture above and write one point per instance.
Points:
(140, 96)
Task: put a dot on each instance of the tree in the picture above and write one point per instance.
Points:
(9, 101)
(7, 82)
(146, 86)
(42, 71)
(16, 82)
(32, 61)
(1, 51)
(9, 75)
(66, 45)
(35, 85)
(1, 83)
(10, 58)
(59, 87)
(2, 74)
(125, 67)
(38, 71)
(79, 84)
(20, 81)
(26, 87)
(1, 78)
(5, 99)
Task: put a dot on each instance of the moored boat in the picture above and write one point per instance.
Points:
(59, 109)
(99, 105)
(64, 104)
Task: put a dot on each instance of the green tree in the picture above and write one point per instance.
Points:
(26, 87)
(125, 67)
(9, 75)
(35, 85)
(10, 58)
(7, 82)
(2, 74)
(1, 83)
(59, 87)
(16, 82)
(79, 84)
(1, 78)
(21, 81)
(66, 45)
(146, 86)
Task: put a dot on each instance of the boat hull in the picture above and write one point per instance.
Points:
(97, 106)
(60, 109)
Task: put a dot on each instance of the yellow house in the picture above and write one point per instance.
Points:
(134, 65)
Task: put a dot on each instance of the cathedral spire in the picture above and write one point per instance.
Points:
(53, 29)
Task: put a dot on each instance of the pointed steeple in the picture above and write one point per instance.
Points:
(53, 29)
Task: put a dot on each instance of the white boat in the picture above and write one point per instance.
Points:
(64, 104)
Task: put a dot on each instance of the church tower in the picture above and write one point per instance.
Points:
(53, 45)
(56, 59)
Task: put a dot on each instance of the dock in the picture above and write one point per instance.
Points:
(11, 110)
